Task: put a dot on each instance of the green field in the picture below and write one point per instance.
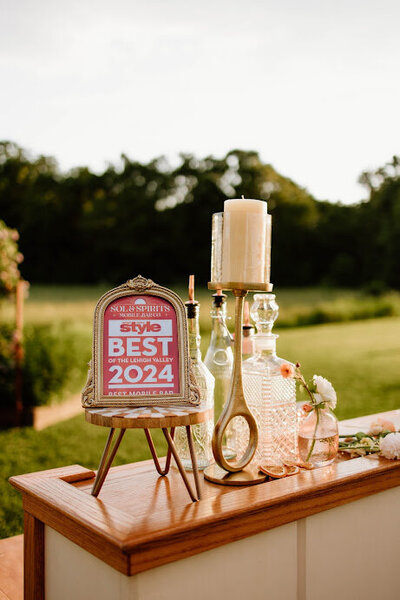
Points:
(75, 304)
(362, 359)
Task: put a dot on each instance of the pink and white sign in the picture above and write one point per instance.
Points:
(140, 347)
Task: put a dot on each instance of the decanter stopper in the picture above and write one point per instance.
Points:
(264, 312)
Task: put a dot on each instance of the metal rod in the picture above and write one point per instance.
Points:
(19, 349)
(154, 453)
(236, 405)
(168, 461)
(171, 445)
(103, 459)
(194, 461)
(96, 491)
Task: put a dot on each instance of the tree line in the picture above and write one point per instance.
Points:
(155, 219)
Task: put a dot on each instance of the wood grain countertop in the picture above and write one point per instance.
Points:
(141, 520)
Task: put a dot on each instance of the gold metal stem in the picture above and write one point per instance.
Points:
(106, 461)
(153, 451)
(236, 405)
(179, 464)
(194, 460)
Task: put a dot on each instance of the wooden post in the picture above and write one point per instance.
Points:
(19, 349)
(33, 558)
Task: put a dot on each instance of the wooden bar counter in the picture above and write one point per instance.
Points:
(322, 534)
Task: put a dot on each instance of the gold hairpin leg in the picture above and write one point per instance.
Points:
(181, 469)
(106, 460)
(154, 453)
(194, 461)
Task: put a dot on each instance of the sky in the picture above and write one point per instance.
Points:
(313, 86)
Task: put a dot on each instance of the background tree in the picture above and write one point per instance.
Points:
(381, 224)
(82, 227)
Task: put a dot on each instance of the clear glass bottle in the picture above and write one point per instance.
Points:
(270, 397)
(219, 361)
(248, 331)
(202, 432)
(319, 437)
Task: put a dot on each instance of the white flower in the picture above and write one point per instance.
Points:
(390, 445)
(325, 391)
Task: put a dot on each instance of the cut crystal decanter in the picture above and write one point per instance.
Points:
(270, 397)
(202, 432)
(219, 361)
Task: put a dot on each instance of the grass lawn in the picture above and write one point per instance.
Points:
(362, 359)
(75, 304)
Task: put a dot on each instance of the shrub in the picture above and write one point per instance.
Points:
(346, 309)
(7, 366)
(55, 363)
(10, 258)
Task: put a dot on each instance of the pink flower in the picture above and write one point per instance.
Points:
(307, 408)
(287, 370)
(380, 425)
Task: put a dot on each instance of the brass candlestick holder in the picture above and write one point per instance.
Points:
(222, 471)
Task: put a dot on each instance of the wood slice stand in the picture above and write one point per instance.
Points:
(146, 418)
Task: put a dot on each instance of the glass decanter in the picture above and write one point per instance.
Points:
(319, 437)
(202, 432)
(219, 361)
(270, 397)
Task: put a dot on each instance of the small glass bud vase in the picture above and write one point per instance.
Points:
(318, 439)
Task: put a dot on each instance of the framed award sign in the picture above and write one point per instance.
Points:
(140, 349)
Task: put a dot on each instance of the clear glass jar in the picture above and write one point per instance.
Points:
(319, 437)
(202, 432)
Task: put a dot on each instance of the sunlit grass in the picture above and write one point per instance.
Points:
(298, 306)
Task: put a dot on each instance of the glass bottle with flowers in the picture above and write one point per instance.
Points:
(318, 438)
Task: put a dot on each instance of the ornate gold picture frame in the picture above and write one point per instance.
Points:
(140, 351)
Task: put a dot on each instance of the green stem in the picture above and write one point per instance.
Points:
(367, 449)
(315, 431)
(305, 386)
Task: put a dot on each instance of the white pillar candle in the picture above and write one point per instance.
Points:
(244, 241)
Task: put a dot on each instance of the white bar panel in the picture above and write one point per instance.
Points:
(258, 567)
(353, 551)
